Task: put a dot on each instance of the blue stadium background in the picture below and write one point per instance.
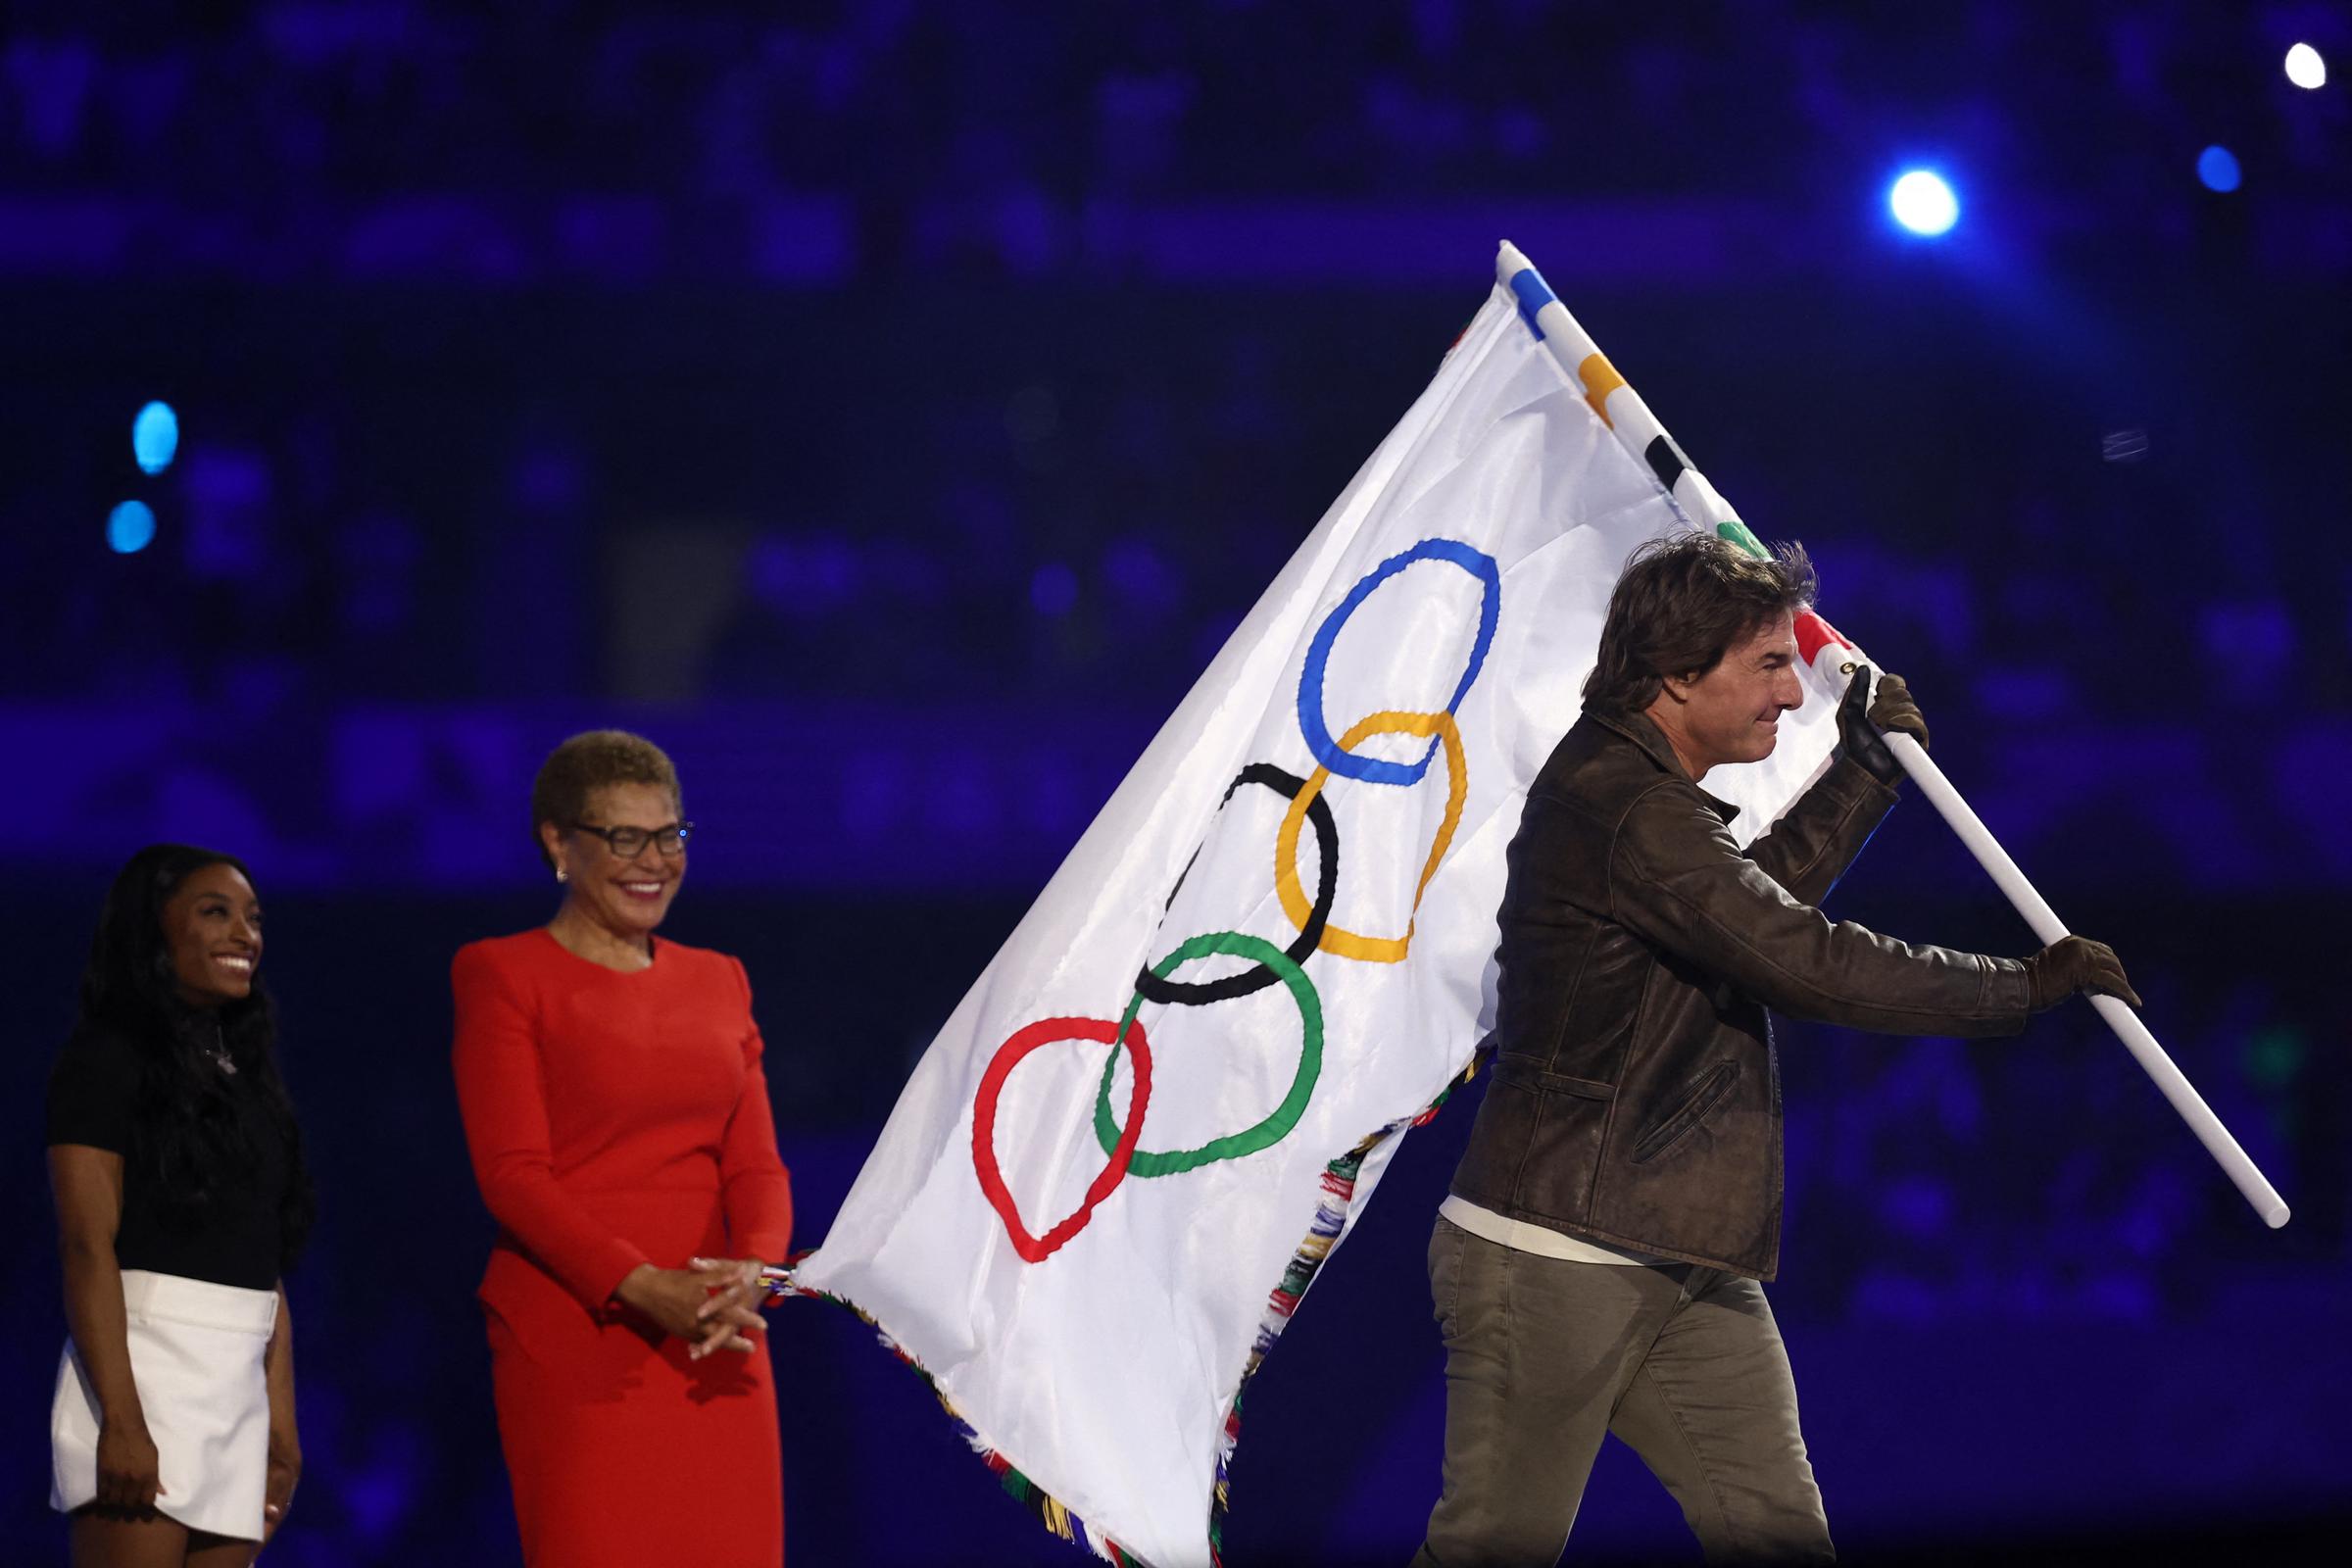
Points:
(889, 406)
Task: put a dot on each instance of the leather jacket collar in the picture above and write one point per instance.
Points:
(1643, 732)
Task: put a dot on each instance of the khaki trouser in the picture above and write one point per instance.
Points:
(1683, 1363)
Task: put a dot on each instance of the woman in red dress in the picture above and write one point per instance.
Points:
(619, 1122)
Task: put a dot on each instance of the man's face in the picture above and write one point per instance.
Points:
(1733, 712)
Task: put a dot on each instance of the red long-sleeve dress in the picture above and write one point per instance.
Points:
(617, 1119)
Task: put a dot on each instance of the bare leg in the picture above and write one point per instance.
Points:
(114, 1540)
(220, 1551)
(111, 1540)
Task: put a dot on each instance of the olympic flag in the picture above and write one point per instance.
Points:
(1113, 1175)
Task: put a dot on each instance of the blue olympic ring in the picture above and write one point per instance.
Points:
(1372, 769)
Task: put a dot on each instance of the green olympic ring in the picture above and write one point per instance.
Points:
(1277, 1126)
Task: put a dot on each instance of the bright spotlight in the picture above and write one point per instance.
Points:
(155, 437)
(129, 527)
(2217, 168)
(2304, 67)
(1923, 203)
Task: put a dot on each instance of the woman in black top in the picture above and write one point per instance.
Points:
(181, 1197)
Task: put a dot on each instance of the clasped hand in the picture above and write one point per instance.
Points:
(713, 1301)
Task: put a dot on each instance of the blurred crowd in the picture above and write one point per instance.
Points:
(984, 133)
(1073, 519)
(2046, 1178)
(1070, 523)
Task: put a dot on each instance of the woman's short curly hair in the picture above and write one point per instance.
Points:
(590, 761)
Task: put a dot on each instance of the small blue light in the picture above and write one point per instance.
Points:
(131, 528)
(155, 437)
(1923, 203)
(2217, 168)
(1054, 590)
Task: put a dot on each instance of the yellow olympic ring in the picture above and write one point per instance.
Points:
(1347, 943)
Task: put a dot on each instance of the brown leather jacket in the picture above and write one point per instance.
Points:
(1636, 1098)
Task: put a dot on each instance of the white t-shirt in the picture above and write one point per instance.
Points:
(1521, 1237)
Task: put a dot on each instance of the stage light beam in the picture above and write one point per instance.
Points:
(129, 527)
(2217, 168)
(155, 437)
(2304, 66)
(1923, 203)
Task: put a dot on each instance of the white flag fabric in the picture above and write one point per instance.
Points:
(1088, 1238)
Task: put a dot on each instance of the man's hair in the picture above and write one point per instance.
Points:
(588, 763)
(1680, 604)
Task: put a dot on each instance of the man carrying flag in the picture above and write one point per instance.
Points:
(1598, 1265)
(1113, 1178)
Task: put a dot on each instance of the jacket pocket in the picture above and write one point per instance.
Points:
(1533, 1153)
(1693, 1111)
(1514, 1069)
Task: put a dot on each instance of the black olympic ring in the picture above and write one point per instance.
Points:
(1258, 976)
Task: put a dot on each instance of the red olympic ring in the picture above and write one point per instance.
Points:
(1048, 1032)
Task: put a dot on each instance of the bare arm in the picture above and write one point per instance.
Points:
(87, 1184)
(285, 1444)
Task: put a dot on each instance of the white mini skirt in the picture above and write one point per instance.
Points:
(198, 1359)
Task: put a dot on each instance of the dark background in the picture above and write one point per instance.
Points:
(889, 408)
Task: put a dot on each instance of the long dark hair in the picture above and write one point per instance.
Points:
(187, 1136)
(1680, 605)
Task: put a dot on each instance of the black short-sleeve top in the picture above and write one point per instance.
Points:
(237, 1236)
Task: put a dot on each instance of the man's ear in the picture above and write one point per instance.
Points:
(1677, 687)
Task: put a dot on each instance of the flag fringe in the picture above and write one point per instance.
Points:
(1042, 1506)
(1331, 1218)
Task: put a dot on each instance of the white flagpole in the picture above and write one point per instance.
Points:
(2120, 1017)
(1640, 430)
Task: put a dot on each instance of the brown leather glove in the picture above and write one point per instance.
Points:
(1891, 709)
(2076, 963)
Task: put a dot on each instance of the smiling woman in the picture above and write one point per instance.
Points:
(181, 1198)
(619, 1121)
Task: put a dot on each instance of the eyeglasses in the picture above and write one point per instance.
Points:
(627, 842)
